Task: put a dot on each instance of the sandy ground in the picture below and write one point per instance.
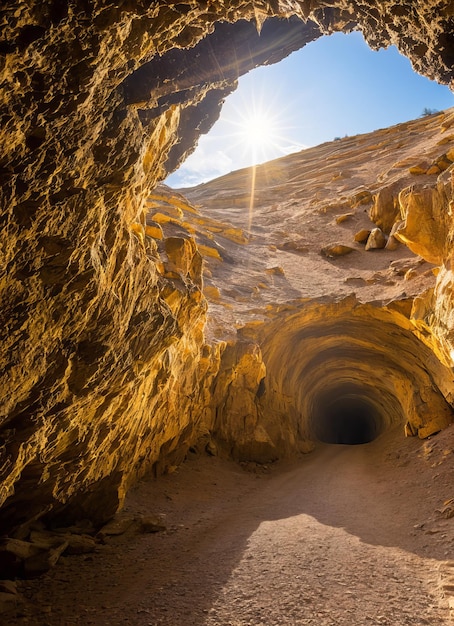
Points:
(346, 535)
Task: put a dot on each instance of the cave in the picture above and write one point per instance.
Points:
(108, 368)
(346, 416)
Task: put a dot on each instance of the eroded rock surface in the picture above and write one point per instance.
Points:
(105, 370)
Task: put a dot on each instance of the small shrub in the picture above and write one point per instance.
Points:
(426, 112)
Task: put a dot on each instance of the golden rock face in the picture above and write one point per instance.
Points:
(106, 371)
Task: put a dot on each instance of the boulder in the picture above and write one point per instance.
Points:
(385, 209)
(151, 523)
(376, 240)
(336, 250)
(362, 235)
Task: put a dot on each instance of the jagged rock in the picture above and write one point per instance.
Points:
(8, 586)
(343, 218)
(19, 557)
(151, 524)
(393, 243)
(8, 602)
(76, 543)
(425, 228)
(362, 235)
(385, 209)
(44, 560)
(376, 240)
(336, 250)
(117, 526)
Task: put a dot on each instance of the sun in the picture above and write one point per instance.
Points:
(259, 132)
(259, 129)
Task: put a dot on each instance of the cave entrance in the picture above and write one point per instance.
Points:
(314, 95)
(347, 419)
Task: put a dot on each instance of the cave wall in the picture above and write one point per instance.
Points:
(104, 368)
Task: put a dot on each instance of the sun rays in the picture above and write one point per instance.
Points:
(260, 133)
(259, 129)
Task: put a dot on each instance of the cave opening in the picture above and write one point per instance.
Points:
(347, 419)
(313, 95)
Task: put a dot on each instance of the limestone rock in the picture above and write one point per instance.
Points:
(362, 235)
(8, 602)
(117, 526)
(238, 429)
(425, 228)
(8, 586)
(447, 509)
(26, 558)
(385, 209)
(393, 243)
(343, 218)
(336, 250)
(376, 240)
(151, 524)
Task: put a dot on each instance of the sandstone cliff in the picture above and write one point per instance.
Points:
(105, 370)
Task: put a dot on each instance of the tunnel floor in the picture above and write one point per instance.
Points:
(328, 541)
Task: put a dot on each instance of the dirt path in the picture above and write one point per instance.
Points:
(346, 536)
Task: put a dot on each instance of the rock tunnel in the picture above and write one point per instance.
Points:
(338, 373)
(346, 415)
(106, 370)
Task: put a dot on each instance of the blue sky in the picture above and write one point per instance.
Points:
(332, 87)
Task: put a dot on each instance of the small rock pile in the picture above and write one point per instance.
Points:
(37, 549)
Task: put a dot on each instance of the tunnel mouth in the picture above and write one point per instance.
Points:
(347, 418)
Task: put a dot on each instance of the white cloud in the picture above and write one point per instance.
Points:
(204, 164)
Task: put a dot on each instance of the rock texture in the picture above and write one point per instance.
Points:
(104, 369)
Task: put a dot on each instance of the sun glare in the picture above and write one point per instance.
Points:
(259, 130)
(259, 133)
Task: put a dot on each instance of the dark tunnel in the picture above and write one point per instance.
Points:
(349, 419)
